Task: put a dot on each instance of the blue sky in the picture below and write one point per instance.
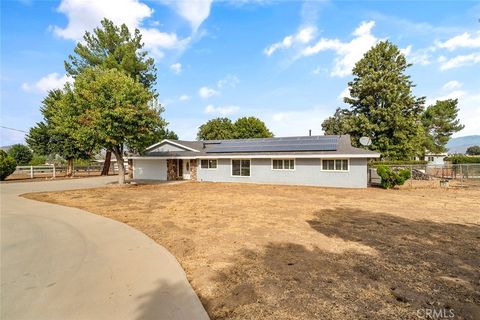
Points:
(286, 62)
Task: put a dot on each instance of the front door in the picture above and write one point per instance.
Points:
(186, 170)
(180, 168)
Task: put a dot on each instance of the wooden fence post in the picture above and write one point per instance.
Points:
(54, 174)
(31, 172)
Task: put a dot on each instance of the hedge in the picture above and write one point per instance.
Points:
(458, 159)
(396, 162)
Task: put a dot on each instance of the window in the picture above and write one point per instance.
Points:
(335, 165)
(431, 159)
(208, 164)
(283, 164)
(241, 168)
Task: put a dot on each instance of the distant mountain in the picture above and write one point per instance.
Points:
(460, 144)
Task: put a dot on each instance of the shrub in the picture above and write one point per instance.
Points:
(7, 165)
(38, 160)
(391, 178)
(395, 162)
(22, 154)
(457, 159)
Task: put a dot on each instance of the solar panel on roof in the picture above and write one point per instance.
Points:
(276, 144)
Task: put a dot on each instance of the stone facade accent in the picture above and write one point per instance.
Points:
(193, 170)
(172, 169)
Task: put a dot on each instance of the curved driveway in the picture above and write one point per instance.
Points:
(65, 263)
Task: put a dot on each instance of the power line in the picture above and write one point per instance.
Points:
(13, 129)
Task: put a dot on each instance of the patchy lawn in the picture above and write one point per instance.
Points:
(287, 252)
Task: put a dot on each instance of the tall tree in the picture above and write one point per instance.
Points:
(440, 122)
(339, 123)
(115, 47)
(250, 127)
(114, 113)
(216, 129)
(382, 105)
(53, 135)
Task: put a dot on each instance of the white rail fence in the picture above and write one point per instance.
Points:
(53, 171)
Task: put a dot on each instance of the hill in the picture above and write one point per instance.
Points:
(460, 144)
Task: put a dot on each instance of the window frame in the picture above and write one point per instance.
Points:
(283, 164)
(334, 165)
(208, 164)
(240, 176)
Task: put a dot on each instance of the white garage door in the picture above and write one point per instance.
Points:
(150, 169)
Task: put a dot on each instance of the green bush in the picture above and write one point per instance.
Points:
(391, 178)
(38, 160)
(22, 154)
(395, 162)
(457, 159)
(7, 165)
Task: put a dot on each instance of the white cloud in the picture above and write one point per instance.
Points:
(348, 53)
(176, 68)
(303, 36)
(344, 93)
(85, 15)
(456, 94)
(228, 81)
(49, 82)
(184, 97)
(226, 110)
(464, 40)
(206, 92)
(452, 85)
(459, 61)
(406, 51)
(194, 11)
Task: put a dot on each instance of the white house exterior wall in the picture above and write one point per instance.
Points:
(306, 172)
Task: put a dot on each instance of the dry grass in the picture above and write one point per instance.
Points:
(287, 252)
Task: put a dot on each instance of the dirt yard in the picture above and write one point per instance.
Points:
(287, 252)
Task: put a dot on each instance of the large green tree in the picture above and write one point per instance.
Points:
(21, 153)
(382, 105)
(54, 134)
(115, 47)
(216, 129)
(114, 113)
(224, 128)
(440, 122)
(250, 127)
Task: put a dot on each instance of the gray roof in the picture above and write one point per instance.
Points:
(305, 145)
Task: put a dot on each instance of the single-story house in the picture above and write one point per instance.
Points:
(433, 159)
(327, 161)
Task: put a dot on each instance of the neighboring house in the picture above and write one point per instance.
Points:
(328, 161)
(434, 158)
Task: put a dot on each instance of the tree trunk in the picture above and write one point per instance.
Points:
(121, 167)
(69, 172)
(106, 164)
(130, 169)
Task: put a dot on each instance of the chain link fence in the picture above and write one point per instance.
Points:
(435, 176)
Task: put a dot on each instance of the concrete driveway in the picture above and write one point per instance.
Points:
(65, 263)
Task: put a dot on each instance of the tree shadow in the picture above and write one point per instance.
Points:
(420, 265)
(171, 301)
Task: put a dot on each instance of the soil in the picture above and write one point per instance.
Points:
(293, 252)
